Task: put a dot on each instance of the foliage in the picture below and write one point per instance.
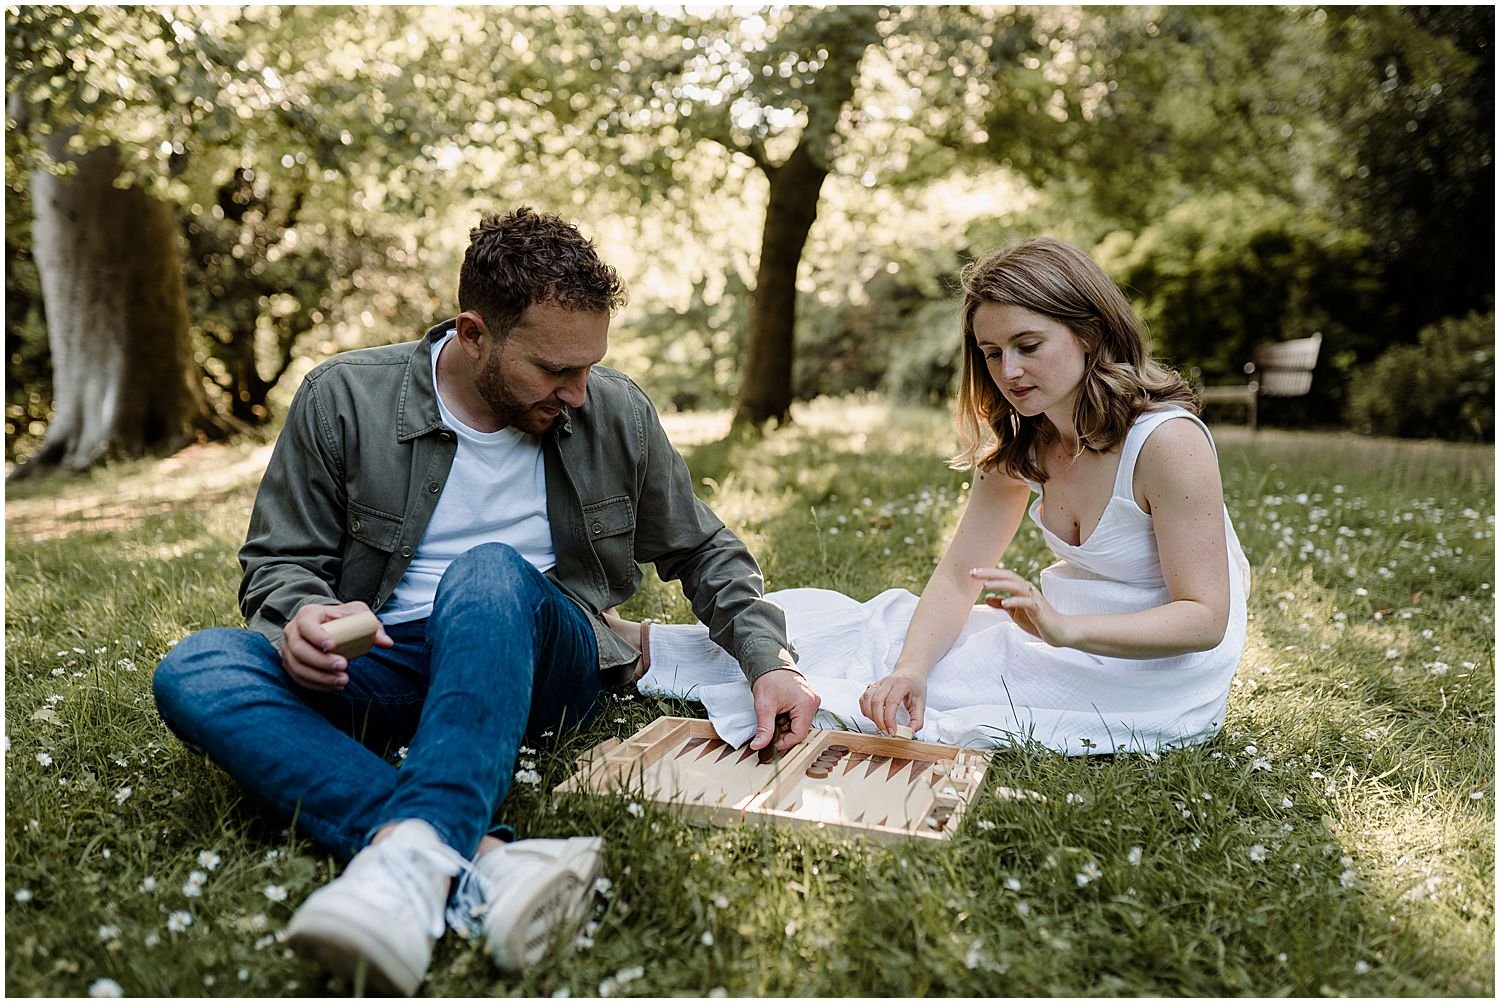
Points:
(373, 136)
(28, 365)
(901, 339)
(294, 143)
(1418, 111)
(1336, 839)
(1217, 275)
(891, 96)
(687, 355)
(1194, 99)
(1443, 387)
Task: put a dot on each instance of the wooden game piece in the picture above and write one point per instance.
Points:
(903, 731)
(783, 725)
(353, 635)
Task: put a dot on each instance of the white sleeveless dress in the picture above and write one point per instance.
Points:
(998, 685)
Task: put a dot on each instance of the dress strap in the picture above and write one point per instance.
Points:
(1135, 440)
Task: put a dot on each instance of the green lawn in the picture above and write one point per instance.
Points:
(1337, 838)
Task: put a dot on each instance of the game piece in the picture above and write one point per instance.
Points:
(783, 725)
(353, 635)
(903, 731)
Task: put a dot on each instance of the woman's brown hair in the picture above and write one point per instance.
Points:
(1120, 380)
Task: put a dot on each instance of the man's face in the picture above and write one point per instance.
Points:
(542, 365)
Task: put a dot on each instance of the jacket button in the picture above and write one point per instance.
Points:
(597, 527)
(405, 551)
(355, 525)
(434, 487)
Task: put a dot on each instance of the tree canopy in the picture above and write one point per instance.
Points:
(759, 172)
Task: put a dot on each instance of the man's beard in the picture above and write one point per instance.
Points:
(509, 411)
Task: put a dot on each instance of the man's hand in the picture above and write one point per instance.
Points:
(307, 651)
(782, 691)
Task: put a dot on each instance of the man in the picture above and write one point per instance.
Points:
(487, 491)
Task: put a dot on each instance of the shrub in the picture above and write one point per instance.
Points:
(901, 339)
(1442, 387)
(1219, 274)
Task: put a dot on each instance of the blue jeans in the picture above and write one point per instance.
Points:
(503, 654)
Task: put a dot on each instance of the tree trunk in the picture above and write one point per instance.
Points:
(124, 378)
(766, 388)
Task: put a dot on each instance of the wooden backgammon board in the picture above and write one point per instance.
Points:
(888, 787)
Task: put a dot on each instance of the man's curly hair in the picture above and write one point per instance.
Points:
(525, 257)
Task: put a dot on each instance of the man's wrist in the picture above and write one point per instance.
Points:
(767, 658)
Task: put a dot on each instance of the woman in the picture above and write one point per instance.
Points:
(1129, 641)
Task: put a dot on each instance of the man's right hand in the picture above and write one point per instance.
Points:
(307, 650)
(782, 691)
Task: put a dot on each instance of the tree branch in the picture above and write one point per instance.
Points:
(716, 129)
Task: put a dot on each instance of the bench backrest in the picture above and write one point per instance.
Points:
(1285, 368)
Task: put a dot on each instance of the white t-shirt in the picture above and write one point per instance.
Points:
(496, 493)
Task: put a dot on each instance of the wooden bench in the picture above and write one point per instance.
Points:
(1280, 369)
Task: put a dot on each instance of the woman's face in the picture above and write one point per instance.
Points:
(1038, 363)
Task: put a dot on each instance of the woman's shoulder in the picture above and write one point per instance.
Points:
(1158, 420)
(1174, 451)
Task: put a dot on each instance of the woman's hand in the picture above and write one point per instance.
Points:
(1026, 605)
(880, 701)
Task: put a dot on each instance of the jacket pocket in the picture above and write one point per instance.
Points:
(610, 525)
(370, 539)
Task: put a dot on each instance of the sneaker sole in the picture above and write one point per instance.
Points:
(540, 917)
(345, 949)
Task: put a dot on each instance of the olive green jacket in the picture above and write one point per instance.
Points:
(362, 459)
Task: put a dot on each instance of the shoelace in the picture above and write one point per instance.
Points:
(469, 902)
(411, 867)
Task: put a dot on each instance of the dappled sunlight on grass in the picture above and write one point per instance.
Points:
(121, 496)
(1336, 838)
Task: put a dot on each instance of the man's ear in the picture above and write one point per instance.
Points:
(471, 331)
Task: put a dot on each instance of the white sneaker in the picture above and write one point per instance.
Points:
(381, 917)
(522, 894)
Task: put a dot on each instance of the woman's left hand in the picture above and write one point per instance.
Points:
(1026, 605)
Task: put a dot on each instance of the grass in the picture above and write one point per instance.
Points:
(1336, 839)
